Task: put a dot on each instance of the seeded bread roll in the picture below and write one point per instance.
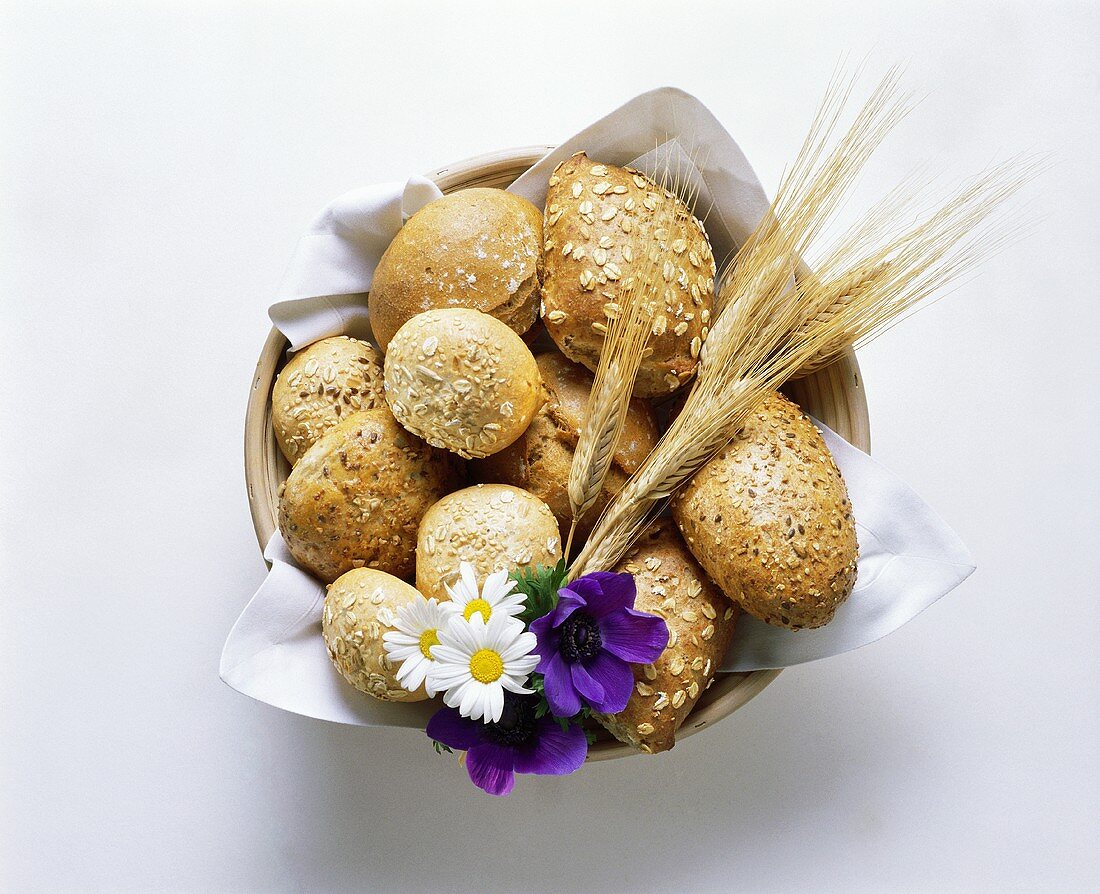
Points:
(494, 527)
(462, 380)
(540, 458)
(320, 385)
(360, 607)
(700, 625)
(357, 496)
(770, 520)
(598, 217)
(477, 248)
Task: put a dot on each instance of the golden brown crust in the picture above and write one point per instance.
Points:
(357, 496)
(462, 380)
(328, 381)
(540, 459)
(595, 217)
(494, 527)
(770, 520)
(478, 248)
(700, 621)
(360, 607)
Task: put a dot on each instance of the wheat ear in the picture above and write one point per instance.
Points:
(630, 322)
(774, 324)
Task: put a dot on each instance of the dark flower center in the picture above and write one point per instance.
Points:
(517, 722)
(580, 637)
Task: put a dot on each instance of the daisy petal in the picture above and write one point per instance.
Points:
(515, 684)
(447, 654)
(468, 582)
(497, 586)
(523, 665)
(472, 704)
(496, 702)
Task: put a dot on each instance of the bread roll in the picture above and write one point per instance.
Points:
(477, 248)
(770, 520)
(323, 383)
(598, 221)
(540, 458)
(700, 625)
(357, 496)
(462, 380)
(360, 607)
(494, 527)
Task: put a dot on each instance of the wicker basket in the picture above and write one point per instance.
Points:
(834, 395)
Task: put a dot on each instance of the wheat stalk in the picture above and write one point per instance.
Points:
(630, 322)
(774, 324)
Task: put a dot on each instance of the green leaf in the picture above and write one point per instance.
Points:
(440, 747)
(539, 585)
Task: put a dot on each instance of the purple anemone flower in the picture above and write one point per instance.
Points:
(517, 743)
(588, 642)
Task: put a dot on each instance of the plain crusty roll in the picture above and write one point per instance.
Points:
(360, 607)
(769, 519)
(700, 622)
(357, 496)
(462, 380)
(320, 385)
(598, 218)
(494, 527)
(539, 460)
(477, 248)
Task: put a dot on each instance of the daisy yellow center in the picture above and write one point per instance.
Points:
(486, 666)
(429, 638)
(478, 605)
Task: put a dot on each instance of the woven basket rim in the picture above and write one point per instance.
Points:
(835, 395)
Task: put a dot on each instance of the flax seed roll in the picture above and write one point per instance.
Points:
(539, 460)
(770, 520)
(323, 383)
(700, 624)
(494, 527)
(357, 496)
(597, 216)
(478, 248)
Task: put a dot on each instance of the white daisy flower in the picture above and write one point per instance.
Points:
(496, 597)
(418, 624)
(475, 662)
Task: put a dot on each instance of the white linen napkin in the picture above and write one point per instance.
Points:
(322, 290)
(909, 557)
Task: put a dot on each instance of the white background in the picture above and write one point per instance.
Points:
(158, 163)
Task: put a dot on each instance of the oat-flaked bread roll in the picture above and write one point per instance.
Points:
(770, 520)
(597, 218)
(462, 380)
(357, 496)
(320, 385)
(494, 527)
(540, 458)
(700, 625)
(360, 607)
(477, 248)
